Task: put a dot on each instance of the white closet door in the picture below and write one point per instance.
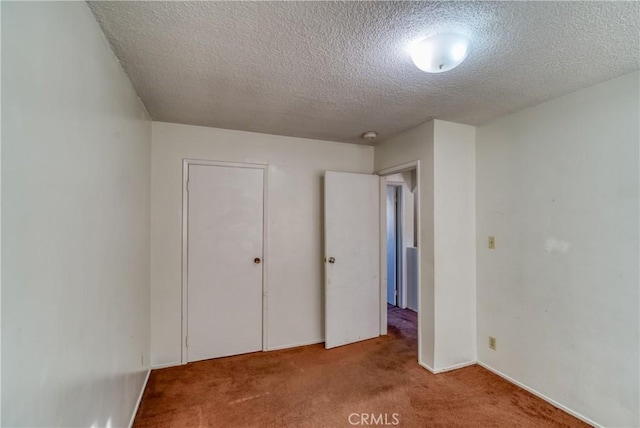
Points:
(352, 264)
(225, 234)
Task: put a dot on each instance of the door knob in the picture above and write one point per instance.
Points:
(331, 260)
(257, 260)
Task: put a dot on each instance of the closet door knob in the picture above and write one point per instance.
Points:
(257, 260)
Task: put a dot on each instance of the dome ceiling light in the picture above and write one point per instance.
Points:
(440, 53)
(370, 135)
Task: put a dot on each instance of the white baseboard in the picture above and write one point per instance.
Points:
(426, 366)
(447, 369)
(165, 365)
(273, 348)
(294, 345)
(540, 395)
(135, 409)
(456, 367)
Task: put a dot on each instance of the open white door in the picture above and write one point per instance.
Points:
(352, 262)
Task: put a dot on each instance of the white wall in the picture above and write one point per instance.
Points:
(446, 152)
(455, 244)
(295, 234)
(557, 185)
(75, 220)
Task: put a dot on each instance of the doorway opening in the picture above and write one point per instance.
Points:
(394, 242)
(400, 237)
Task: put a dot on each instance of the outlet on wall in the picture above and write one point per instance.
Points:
(492, 343)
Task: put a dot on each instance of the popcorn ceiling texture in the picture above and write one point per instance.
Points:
(332, 70)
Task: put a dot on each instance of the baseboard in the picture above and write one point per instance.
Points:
(165, 365)
(135, 409)
(447, 369)
(274, 348)
(456, 367)
(426, 366)
(540, 395)
(294, 345)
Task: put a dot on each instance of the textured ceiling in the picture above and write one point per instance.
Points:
(332, 70)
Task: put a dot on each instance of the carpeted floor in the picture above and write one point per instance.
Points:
(373, 382)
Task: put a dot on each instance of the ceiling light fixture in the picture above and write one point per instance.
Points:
(440, 53)
(370, 135)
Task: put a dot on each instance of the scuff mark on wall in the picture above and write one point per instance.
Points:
(554, 245)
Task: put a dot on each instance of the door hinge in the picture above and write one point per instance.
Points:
(188, 181)
(186, 342)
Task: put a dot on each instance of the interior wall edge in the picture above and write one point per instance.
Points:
(137, 406)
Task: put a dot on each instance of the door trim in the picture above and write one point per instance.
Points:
(401, 284)
(185, 241)
(383, 260)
